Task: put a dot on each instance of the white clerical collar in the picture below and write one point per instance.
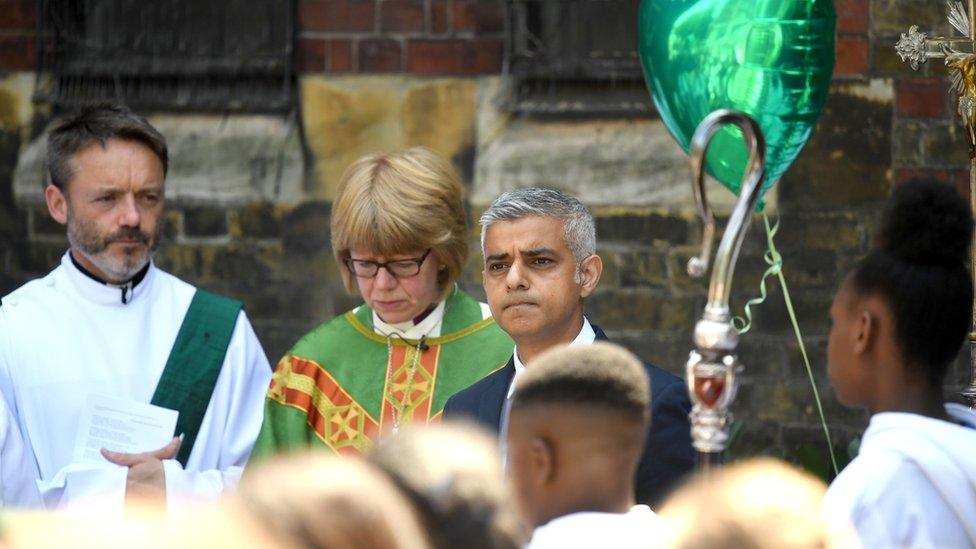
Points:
(430, 326)
(585, 337)
(104, 293)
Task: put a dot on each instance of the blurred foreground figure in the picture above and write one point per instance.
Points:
(146, 525)
(320, 501)
(85, 350)
(578, 422)
(297, 502)
(452, 475)
(758, 504)
(898, 322)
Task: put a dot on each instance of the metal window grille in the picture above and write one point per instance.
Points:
(180, 55)
(574, 56)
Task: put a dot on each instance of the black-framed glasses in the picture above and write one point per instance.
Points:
(401, 268)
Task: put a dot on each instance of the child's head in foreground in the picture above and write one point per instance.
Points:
(576, 431)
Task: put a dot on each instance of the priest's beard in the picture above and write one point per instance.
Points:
(84, 237)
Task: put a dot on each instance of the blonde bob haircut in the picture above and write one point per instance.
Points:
(390, 204)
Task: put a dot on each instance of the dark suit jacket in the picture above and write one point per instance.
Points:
(668, 454)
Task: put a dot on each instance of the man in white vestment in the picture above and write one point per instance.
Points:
(18, 476)
(576, 433)
(86, 348)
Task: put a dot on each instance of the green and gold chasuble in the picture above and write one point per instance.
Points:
(343, 385)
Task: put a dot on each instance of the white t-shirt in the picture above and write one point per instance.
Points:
(638, 528)
(913, 483)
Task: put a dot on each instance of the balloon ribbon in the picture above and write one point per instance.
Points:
(773, 258)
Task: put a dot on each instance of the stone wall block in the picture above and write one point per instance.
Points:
(306, 229)
(439, 114)
(261, 220)
(895, 16)
(306, 243)
(473, 265)
(853, 16)
(816, 347)
(40, 257)
(247, 267)
(852, 57)
(339, 56)
(812, 312)
(478, 16)
(668, 351)
(945, 145)
(841, 231)
(643, 229)
(18, 15)
(810, 269)
(172, 225)
(348, 117)
(380, 55)
(180, 259)
(642, 269)
(846, 161)
(789, 402)
(454, 56)
(440, 21)
(908, 136)
(204, 221)
(345, 118)
(17, 52)
(676, 314)
(610, 255)
(301, 299)
(922, 98)
(336, 15)
(623, 309)
(311, 55)
(43, 225)
(762, 356)
(402, 16)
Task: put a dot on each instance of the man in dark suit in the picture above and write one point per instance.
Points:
(540, 256)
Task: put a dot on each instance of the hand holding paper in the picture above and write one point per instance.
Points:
(146, 478)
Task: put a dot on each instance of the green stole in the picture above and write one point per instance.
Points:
(194, 363)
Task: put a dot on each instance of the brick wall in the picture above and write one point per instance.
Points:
(17, 25)
(424, 37)
(882, 123)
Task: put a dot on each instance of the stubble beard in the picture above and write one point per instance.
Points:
(84, 237)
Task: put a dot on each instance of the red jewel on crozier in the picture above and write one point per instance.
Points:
(709, 389)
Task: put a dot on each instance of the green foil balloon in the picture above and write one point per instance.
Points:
(771, 59)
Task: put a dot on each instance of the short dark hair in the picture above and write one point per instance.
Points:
(918, 267)
(98, 124)
(601, 375)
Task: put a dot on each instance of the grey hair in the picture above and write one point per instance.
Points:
(579, 227)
